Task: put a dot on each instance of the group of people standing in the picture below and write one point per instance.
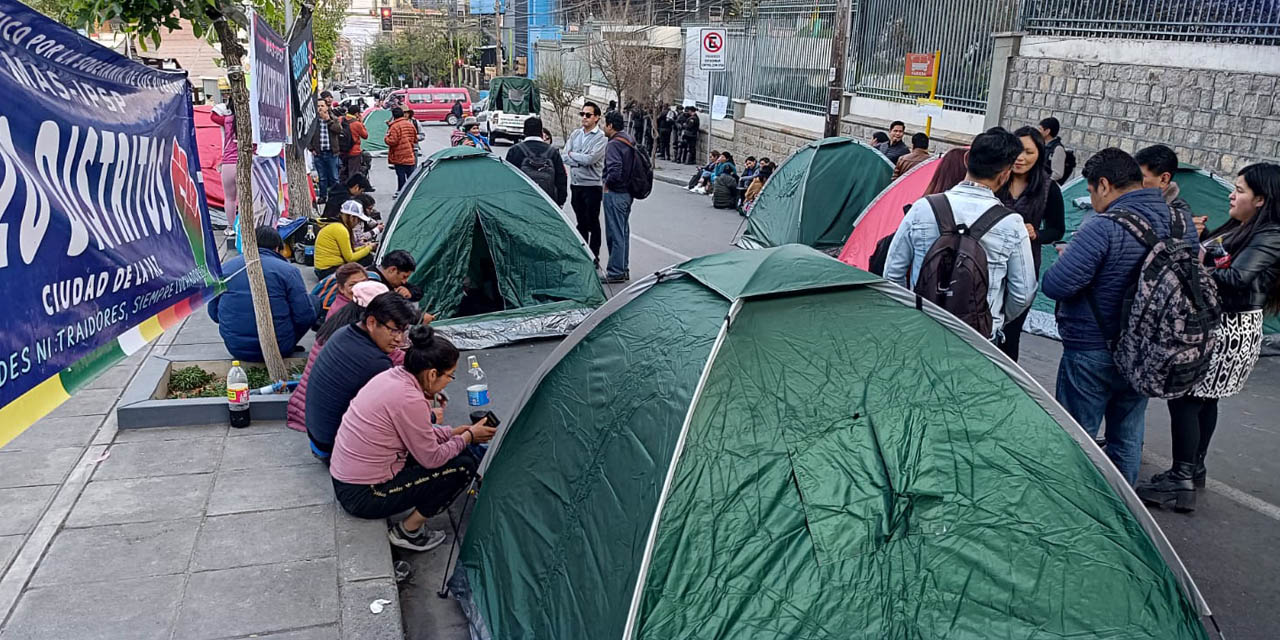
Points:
(1006, 199)
(679, 127)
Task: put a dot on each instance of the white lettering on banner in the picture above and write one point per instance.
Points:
(112, 187)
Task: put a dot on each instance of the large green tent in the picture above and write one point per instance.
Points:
(1205, 192)
(376, 121)
(497, 260)
(816, 194)
(737, 448)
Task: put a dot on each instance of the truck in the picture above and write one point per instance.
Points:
(511, 101)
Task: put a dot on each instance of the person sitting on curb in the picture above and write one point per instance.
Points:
(334, 242)
(293, 310)
(725, 189)
(390, 455)
(350, 358)
(343, 191)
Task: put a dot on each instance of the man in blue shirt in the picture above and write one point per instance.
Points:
(293, 310)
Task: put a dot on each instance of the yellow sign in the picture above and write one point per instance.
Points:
(929, 107)
(920, 73)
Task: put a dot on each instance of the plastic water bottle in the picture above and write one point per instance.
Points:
(238, 395)
(478, 390)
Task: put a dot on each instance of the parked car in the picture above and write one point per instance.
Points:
(511, 101)
(434, 104)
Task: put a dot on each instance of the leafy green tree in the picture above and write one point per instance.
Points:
(220, 20)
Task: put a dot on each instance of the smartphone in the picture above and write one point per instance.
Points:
(490, 420)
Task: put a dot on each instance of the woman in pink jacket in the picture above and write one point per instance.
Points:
(390, 456)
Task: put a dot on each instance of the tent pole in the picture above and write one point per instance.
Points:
(448, 561)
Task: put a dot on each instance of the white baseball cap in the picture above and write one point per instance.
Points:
(353, 208)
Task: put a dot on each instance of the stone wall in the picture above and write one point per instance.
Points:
(1217, 120)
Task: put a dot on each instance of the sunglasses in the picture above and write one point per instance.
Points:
(586, 114)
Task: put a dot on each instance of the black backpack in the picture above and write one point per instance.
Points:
(880, 256)
(954, 272)
(1068, 166)
(344, 144)
(1170, 313)
(641, 179)
(539, 168)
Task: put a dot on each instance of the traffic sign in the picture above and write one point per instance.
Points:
(920, 73)
(711, 51)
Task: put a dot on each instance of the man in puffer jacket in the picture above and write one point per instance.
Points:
(725, 190)
(1102, 262)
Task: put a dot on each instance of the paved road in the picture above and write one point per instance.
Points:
(1229, 544)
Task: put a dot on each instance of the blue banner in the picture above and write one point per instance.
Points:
(103, 221)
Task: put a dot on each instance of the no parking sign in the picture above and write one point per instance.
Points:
(711, 57)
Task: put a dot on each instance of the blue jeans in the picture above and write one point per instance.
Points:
(1091, 388)
(326, 171)
(617, 232)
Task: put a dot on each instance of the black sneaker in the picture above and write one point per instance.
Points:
(617, 279)
(423, 539)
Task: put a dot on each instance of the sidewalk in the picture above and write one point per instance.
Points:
(180, 532)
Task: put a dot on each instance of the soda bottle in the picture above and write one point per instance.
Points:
(1217, 253)
(238, 395)
(478, 390)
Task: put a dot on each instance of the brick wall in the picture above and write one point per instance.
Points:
(1218, 120)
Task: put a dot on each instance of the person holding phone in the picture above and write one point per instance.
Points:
(390, 457)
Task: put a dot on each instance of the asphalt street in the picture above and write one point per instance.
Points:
(1229, 544)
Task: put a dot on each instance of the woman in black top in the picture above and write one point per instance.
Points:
(1031, 193)
(1245, 256)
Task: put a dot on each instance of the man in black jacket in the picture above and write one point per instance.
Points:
(666, 121)
(619, 161)
(540, 162)
(689, 135)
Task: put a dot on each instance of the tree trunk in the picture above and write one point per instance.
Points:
(295, 165)
(232, 54)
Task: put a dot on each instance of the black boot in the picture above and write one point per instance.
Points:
(1173, 488)
(1198, 478)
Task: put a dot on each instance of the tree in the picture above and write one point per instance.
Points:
(560, 93)
(223, 20)
(421, 53)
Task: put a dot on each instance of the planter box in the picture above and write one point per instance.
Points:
(146, 401)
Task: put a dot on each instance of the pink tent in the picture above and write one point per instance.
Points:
(209, 145)
(882, 217)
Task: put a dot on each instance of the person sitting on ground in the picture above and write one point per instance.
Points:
(351, 357)
(541, 162)
(394, 271)
(919, 153)
(361, 294)
(749, 171)
(713, 159)
(366, 233)
(341, 192)
(726, 189)
(469, 135)
(334, 242)
(390, 456)
(753, 191)
(707, 182)
(346, 277)
(293, 311)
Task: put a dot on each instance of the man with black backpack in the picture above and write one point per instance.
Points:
(540, 161)
(1113, 360)
(628, 176)
(963, 250)
(1062, 161)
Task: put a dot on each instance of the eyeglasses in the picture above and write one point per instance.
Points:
(586, 114)
(394, 331)
(449, 375)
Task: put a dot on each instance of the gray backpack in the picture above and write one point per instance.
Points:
(1169, 314)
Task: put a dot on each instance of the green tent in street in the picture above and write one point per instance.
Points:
(1207, 194)
(376, 121)
(816, 194)
(497, 260)
(775, 445)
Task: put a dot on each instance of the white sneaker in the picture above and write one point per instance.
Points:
(423, 539)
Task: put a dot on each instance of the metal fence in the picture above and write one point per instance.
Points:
(736, 80)
(1236, 21)
(885, 31)
(792, 45)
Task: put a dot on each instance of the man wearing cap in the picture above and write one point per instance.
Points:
(293, 310)
(333, 243)
(469, 134)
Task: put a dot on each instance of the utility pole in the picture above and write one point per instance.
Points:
(835, 78)
(497, 21)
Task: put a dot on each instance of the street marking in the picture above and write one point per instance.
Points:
(675, 254)
(1246, 500)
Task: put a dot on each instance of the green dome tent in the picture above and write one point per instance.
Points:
(376, 121)
(497, 260)
(736, 448)
(816, 194)
(1205, 192)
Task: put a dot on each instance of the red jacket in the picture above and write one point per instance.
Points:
(358, 133)
(401, 140)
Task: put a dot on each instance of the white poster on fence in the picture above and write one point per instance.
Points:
(697, 83)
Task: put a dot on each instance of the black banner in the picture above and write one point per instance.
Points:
(302, 68)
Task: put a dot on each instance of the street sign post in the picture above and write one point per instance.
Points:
(921, 76)
(711, 55)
